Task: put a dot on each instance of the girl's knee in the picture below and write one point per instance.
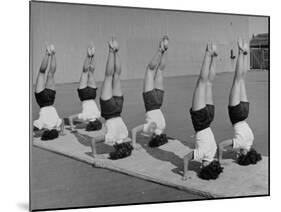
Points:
(51, 74)
(202, 80)
(151, 66)
(162, 67)
(91, 67)
(109, 72)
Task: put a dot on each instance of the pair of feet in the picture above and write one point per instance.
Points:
(113, 45)
(91, 50)
(212, 49)
(50, 49)
(163, 44)
(243, 46)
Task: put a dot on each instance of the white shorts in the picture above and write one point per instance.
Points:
(205, 146)
(116, 131)
(243, 136)
(90, 111)
(48, 119)
(157, 117)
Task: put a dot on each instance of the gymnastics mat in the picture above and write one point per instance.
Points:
(163, 165)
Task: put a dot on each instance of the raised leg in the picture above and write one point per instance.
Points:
(199, 94)
(50, 83)
(91, 78)
(159, 77)
(209, 87)
(150, 73)
(40, 81)
(243, 93)
(85, 70)
(234, 97)
(116, 84)
(106, 92)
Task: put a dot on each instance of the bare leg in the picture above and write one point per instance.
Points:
(234, 97)
(243, 93)
(91, 78)
(148, 84)
(106, 92)
(71, 120)
(209, 87)
(159, 78)
(40, 81)
(85, 70)
(199, 95)
(116, 84)
(50, 83)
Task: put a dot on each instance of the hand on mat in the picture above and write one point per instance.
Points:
(73, 130)
(103, 156)
(224, 163)
(184, 178)
(62, 134)
(137, 147)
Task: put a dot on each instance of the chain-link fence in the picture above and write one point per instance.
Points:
(259, 58)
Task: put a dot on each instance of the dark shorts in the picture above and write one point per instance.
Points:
(111, 108)
(87, 93)
(45, 98)
(153, 99)
(201, 119)
(238, 112)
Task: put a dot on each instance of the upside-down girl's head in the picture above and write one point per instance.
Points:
(94, 125)
(151, 128)
(210, 171)
(49, 135)
(248, 157)
(158, 140)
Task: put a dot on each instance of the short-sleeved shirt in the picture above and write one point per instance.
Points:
(205, 145)
(157, 117)
(243, 136)
(48, 119)
(90, 111)
(116, 130)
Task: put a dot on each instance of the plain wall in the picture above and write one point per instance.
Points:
(72, 27)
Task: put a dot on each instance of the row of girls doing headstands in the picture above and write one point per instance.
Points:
(114, 130)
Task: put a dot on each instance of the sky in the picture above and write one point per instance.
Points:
(258, 25)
